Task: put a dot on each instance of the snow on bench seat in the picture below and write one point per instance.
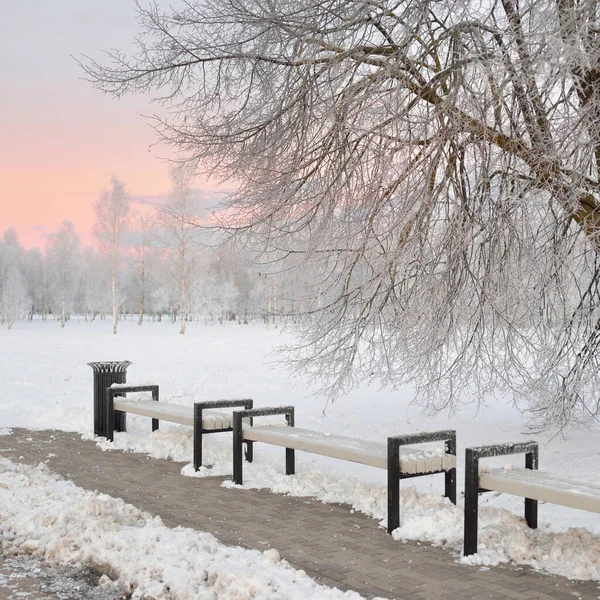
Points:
(174, 413)
(412, 460)
(540, 485)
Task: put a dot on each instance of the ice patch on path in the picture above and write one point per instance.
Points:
(51, 519)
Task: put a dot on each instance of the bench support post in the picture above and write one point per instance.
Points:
(472, 456)
(290, 453)
(471, 501)
(249, 450)
(155, 422)
(238, 439)
(237, 450)
(110, 416)
(395, 473)
(199, 407)
(531, 506)
(119, 418)
(450, 475)
(197, 436)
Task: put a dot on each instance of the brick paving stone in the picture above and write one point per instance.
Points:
(332, 543)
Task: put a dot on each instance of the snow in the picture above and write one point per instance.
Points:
(47, 384)
(52, 519)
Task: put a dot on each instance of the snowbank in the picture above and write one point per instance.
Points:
(52, 519)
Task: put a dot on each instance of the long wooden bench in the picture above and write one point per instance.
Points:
(401, 460)
(202, 416)
(529, 483)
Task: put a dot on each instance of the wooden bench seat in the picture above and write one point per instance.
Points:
(528, 483)
(398, 456)
(202, 416)
(547, 487)
(173, 413)
(375, 454)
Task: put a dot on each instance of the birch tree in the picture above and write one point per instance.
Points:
(178, 219)
(35, 283)
(112, 210)
(437, 162)
(143, 234)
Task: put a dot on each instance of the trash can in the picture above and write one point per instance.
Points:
(105, 374)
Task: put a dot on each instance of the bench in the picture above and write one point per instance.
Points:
(401, 460)
(529, 483)
(201, 416)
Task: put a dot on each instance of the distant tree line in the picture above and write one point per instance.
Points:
(148, 266)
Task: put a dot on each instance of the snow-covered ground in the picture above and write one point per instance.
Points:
(47, 384)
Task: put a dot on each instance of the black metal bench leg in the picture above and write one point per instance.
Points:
(471, 502)
(155, 421)
(450, 475)
(290, 461)
(119, 417)
(249, 451)
(110, 418)
(290, 453)
(450, 485)
(120, 420)
(238, 477)
(197, 437)
(393, 469)
(531, 506)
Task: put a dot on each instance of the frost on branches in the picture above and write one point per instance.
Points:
(435, 163)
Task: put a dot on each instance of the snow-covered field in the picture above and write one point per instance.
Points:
(47, 384)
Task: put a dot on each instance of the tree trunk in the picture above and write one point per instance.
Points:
(113, 285)
(63, 284)
(143, 291)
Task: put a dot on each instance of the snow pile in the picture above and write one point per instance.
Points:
(52, 519)
(173, 443)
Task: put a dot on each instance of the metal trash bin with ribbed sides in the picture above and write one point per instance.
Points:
(105, 374)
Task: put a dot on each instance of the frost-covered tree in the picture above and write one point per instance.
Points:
(178, 221)
(13, 285)
(142, 237)
(62, 251)
(94, 284)
(112, 210)
(437, 161)
(35, 276)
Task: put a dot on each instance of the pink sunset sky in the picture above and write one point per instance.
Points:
(62, 140)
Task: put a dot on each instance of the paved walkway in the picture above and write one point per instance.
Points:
(337, 547)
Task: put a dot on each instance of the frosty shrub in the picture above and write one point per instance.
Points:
(433, 163)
